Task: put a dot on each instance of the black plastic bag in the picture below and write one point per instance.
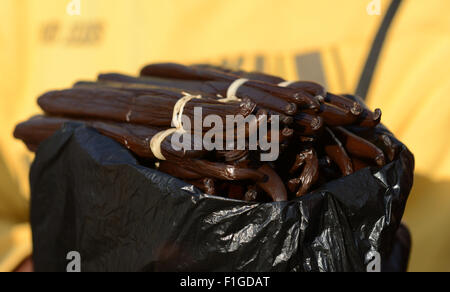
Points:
(90, 195)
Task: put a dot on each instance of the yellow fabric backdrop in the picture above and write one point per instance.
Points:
(43, 48)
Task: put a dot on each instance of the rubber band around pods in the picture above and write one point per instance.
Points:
(178, 109)
(233, 89)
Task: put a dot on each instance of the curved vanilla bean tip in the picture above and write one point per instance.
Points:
(309, 176)
(336, 151)
(370, 119)
(377, 115)
(389, 146)
(379, 138)
(274, 186)
(359, 146)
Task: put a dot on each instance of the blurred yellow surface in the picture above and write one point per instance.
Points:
(327, 41)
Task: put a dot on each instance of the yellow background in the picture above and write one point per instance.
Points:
(44, 48)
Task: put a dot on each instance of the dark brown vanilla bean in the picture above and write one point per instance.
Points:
(137, 139)
(310, 87)
(141, 89)
(360, 147)
(221, 171)
(302, 97)
(309, 161)
(336, 151)
(387, 143)
(262, 98)
(299, 162)
(242, 74)
(37, 129)
(134, 137)
(308, 124)
(384, 142)
(379, 138)
(126, 82)
(218, 89)
(370, 119)
(122, 106)
(273, 186)
(175, 71)
(283, 136)
(321, 137)
(310, 174)
(345, 103)
(335, 116)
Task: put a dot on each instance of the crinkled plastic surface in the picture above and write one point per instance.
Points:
(90, 195)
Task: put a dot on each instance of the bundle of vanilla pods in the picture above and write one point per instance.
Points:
(322, 136)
